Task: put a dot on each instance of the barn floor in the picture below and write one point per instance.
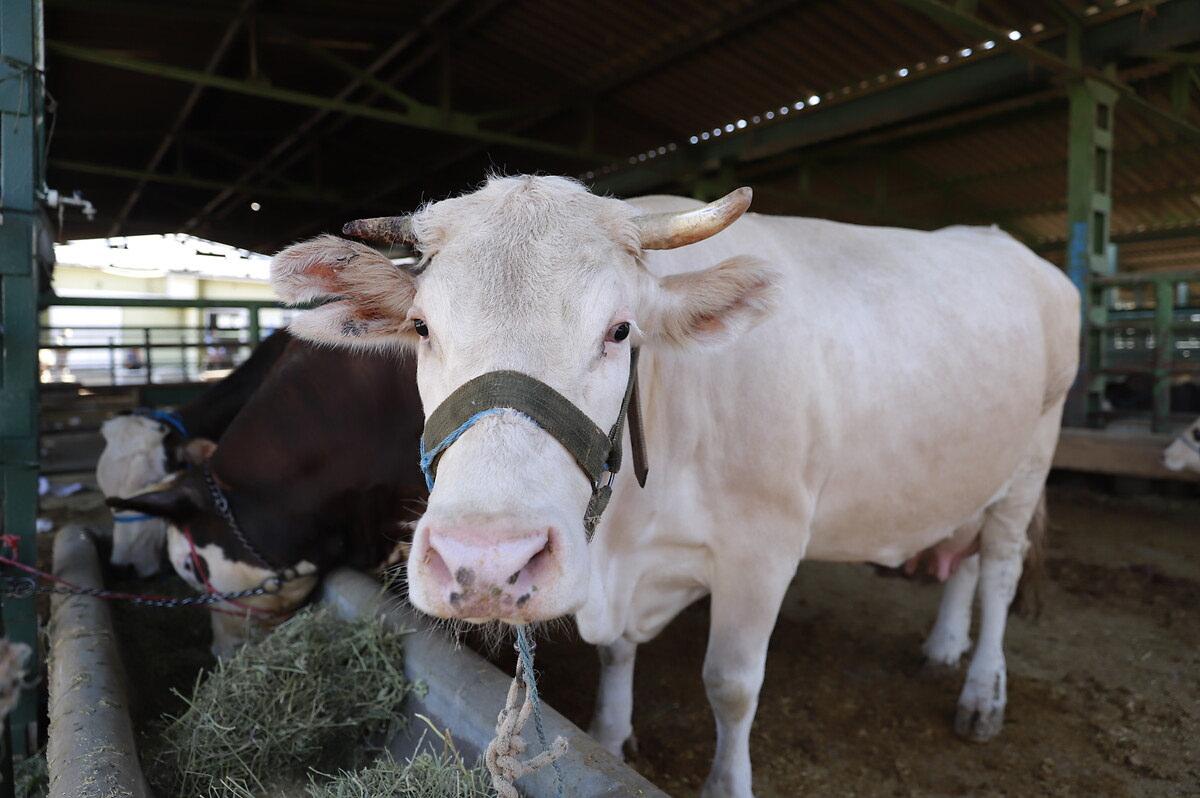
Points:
(1104, 694)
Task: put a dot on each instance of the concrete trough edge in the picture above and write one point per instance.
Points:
(466, 692)
(91, 751)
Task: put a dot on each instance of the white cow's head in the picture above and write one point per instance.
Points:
(1184, 451)
(539, 276)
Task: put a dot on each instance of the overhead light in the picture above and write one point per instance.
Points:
(1014, 35)
(694, 139)
(254, 206)
(814, 100)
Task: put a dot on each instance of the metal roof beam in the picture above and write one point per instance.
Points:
(975, 80)
(955, 19)
(239, 189)
(455, 123)
(299, 193)
(181, 117)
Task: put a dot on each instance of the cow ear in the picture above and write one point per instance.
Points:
(173, 499)
(711, 306)
(199, 451)
(366, 297)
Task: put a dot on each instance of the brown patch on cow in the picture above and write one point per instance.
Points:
(521, 601)
(464, 576)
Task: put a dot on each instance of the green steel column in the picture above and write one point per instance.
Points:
(21, 103)
(1089, 206)
(1164, 351)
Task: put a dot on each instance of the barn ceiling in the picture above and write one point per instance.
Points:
(256, 122)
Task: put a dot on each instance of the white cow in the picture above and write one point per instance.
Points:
(811, 390)
(1183, 453)
(132, 461)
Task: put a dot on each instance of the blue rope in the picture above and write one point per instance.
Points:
(524, 648)
(428, 457)
(526, 653)
(130, 519)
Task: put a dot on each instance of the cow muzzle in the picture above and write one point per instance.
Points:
(489, 571)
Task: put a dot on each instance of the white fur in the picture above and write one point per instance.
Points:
(133, 460)
(1183, 453)
(234, 625)
(907, 384)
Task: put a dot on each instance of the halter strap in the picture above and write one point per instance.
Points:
(596, 452)
(168, 417)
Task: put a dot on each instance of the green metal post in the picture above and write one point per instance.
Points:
(255, 330)
(1089, 206)
(21, 103)
(1164, 351)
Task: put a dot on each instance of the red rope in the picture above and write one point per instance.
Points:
(202, 573)
(11, 542)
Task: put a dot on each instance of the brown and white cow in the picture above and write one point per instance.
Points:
(140, 449)
(319, 470)
(811, 390)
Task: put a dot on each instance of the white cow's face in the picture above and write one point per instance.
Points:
(1184, 452)
(533, 275)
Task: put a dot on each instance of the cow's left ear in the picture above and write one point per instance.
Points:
(173, 499)
(711, 306)
(366, 297)
(199, 451)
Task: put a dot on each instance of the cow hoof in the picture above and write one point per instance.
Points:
(716, 787)
(621, 746)
(980, 713)
(944, 654)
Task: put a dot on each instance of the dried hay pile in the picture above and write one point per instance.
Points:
(283, 712)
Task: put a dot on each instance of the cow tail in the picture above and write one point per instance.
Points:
(1028, 599)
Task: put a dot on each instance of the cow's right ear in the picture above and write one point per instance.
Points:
(173, 499)
(366, 297)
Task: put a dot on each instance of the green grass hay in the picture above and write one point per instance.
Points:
(301, 701)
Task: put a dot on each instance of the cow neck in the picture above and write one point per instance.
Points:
(595, 452)
(221, 504)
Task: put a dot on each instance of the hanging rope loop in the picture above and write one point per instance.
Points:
(503, 755)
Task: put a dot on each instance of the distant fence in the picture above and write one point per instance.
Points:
(1144, 331)
(151, 354)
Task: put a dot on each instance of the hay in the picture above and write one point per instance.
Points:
(426, 775)
(279, 709)
(31, 780)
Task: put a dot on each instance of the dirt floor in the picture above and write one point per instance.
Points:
(1104, 689)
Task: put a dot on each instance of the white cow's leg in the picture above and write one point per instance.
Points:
(745, 604)
(1003, 543)
(612, 725)
(951, 634)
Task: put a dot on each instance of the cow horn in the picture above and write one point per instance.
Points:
(671, 230)
(382, 229)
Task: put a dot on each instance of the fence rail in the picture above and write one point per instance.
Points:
(148, 354)
(1161, 341)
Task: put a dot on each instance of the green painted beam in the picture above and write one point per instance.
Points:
(190, 181)
(21, 136)
(1035, 54)
(455, 124)
(102, 302)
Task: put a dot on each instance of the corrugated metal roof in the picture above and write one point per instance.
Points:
(656, 74)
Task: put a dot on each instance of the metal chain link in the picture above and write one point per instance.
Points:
(21, 587)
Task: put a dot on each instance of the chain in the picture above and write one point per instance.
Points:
(21, 587)
(221, 503)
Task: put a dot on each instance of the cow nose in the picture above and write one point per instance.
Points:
(485, 573)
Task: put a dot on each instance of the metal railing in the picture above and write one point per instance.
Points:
(147, 354)
(1159, 340)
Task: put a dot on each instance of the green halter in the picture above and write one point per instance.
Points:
(495, 392)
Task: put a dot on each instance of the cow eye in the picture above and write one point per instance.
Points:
(421, 328)
(619, 332)
(1196, 434)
